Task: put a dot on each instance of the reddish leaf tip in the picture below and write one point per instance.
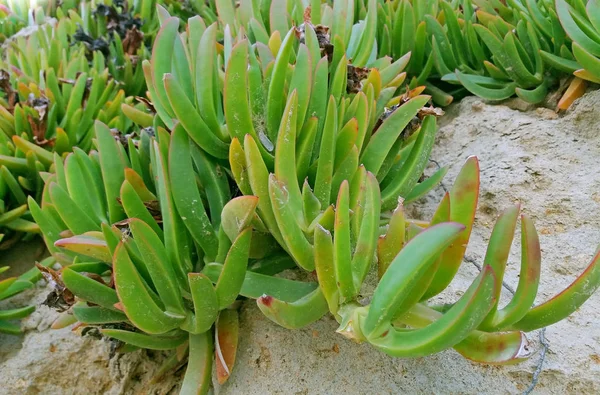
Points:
(265, 300)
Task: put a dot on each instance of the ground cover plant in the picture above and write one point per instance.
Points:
(222, 144)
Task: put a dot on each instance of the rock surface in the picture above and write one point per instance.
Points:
(547, 162)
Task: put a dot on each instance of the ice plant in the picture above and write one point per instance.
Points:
(314, 123)
(11, 23)
(139, 237)
(581, 22)
(276, 134)
(37, 122)
(494, 49)
(416, 262)
(78, 44)
(13, 286)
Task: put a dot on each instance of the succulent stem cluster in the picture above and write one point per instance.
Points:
(274, 135)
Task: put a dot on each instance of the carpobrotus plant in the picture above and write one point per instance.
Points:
(279, 136)
(417, 263)
(139, 254)
(12, 286)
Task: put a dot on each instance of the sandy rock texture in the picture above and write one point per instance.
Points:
(547, 162)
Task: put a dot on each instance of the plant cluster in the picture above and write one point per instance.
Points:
(275, 135)
(12, 286)
(494, 49)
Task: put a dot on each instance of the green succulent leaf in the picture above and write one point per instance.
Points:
(232, 277)
(199, 369)
(294, 315)
(410, 264)
(142, 340)
(138, 304)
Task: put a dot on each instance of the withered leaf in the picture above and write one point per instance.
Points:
(147, 102)
(324, 40)
(39, 124)
(435, 111)
(133, 41)
(60, 298)
(355, 76)
(11, 94)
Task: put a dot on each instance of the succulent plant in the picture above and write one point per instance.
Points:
(101, 38)
(13, 286)
(24, 9)
(10, 23)
(139, 237)
(493, 49)
(416, 261)
(581, 22)
(39, 122)
(276, 134)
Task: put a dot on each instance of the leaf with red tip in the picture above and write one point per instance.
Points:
(64, 320)
(463, 204)
(392, 242)
(496, 348)
(90, 246)
(498, 248)
(453, 327)
(294, 315)
(566, 302)
(226, 341)
(396, 285)
(528, 280)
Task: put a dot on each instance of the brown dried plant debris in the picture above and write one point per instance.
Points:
(322, 32)
(355, 76)
(60, 298)
(133, 41)
(414, 123)
(39, 123)
(11, 94)
(118, 20)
